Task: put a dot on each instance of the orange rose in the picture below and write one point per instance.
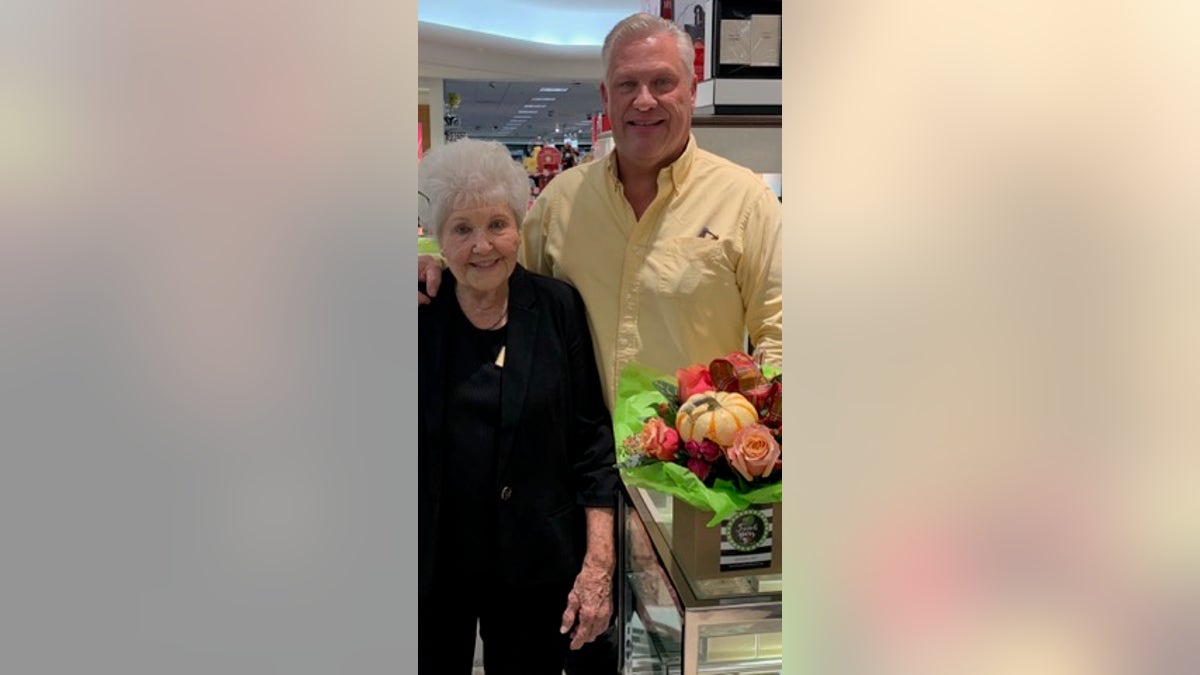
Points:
(693, 380)
(754, 452)
(659, 440)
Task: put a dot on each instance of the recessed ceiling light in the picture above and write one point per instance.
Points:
(554, 89)
(543, 98)
(534, 105)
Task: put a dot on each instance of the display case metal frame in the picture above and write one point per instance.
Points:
(702, 615)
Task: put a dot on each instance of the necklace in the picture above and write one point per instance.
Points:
(499, 321)
(463, 304)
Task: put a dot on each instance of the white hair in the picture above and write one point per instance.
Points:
(469, 173)
(643, 25)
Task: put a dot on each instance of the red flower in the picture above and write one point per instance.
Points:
(705, 450)
(699, 467)
(693, 380)
(659, 440)
(762, 395)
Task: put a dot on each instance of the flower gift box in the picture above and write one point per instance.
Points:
(711, 437)
(748, 542)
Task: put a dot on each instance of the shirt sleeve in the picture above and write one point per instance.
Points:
(532, 255)
(760, 277)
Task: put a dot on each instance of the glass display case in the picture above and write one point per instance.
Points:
(676, 620)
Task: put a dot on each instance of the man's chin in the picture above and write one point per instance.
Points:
(635, 155)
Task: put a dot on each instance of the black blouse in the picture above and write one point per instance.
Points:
(472, 416)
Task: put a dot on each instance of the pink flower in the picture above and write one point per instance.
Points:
(705, 450)
(660, 440)
(693, 380)
(699, 467)
(754, 452)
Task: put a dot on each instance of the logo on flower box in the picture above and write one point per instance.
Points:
(748, 530)
(746, 540)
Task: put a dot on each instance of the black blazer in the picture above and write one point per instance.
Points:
(556, 452)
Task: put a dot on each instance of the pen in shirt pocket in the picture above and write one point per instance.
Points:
(708, 234)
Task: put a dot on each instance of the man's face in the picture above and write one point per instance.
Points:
(649, 95)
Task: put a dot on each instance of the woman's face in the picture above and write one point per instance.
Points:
(480, 246)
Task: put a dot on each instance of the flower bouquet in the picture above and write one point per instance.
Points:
(711, 435)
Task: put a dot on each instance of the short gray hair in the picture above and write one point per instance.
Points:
(643, 25)
(469, 173)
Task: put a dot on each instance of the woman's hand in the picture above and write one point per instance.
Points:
(589, 605)
(429, 270)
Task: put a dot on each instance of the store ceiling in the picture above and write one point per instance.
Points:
(549, 22)
(499, 56)
(499, 110)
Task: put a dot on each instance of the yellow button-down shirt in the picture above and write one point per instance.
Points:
(686, 283)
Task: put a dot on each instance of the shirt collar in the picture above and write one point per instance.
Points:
(676, 172)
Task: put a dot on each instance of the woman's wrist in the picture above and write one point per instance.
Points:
(599, 555)
(599, 564)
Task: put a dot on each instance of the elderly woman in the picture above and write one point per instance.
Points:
(515, 444)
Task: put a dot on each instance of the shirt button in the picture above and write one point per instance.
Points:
(505, 493)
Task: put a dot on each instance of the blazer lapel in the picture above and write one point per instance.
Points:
(518, 360)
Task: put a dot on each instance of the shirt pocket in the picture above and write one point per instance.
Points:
(689, 265)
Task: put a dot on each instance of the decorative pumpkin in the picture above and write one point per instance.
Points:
(715, 415)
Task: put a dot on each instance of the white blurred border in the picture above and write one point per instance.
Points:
(207, 362)
(992, 245)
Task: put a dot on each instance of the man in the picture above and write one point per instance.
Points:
(675, 251)
(570, 156)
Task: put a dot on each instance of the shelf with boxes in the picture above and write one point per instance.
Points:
(738, 55)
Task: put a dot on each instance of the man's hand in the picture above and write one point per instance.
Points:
(429, 270)
(589, 605)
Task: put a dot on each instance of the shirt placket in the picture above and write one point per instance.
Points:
(637, 248)
(628, 340)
